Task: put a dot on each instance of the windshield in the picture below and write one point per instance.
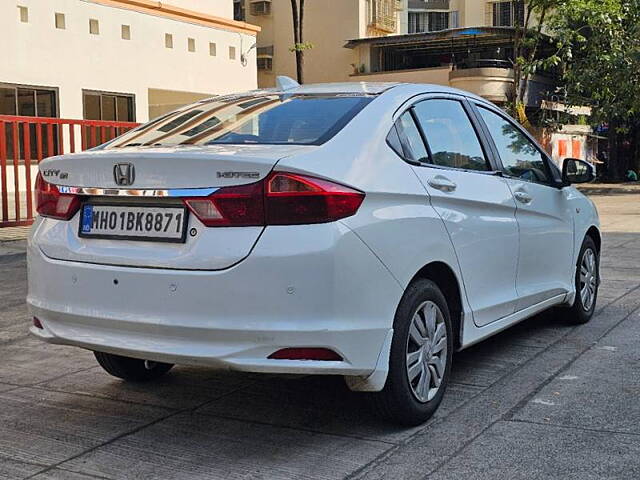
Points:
(257, 119)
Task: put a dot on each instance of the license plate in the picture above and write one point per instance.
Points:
(160, 224)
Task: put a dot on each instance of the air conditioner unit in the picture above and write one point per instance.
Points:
(260, 7)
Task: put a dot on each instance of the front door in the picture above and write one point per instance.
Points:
(474, 203)
(543, 212)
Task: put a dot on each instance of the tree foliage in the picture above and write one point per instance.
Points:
(599, 45)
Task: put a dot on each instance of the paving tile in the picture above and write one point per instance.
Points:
(59, 474)
(192, 446)
(182, 387)
(11, 469)
(321, 404)
(14, 324)
(485, 363)
(51, 426)
(517, 450)
(31, 361)
(600, 390)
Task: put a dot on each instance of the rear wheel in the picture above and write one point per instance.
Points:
(420, 357)
(131, 369)
(587, 281)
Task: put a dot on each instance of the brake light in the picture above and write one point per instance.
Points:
(241, 206)
(51, 203)
(297, 199)
(281, 199)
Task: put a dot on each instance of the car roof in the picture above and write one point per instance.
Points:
(362, 88)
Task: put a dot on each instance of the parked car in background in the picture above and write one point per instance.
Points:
(363, 230)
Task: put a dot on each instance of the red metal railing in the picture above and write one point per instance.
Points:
(25, 141)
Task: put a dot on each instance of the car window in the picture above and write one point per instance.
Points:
(520, 157)
(451, 137)
(393, 140)
(251, 119)
(414, 147)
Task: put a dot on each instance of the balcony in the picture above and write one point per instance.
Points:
(260, 7)
(382, 16)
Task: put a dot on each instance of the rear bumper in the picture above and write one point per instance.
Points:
(328, 290)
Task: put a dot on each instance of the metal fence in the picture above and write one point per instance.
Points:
(25, 141)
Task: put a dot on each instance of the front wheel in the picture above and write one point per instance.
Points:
(131, 369)
(420, 357)
(587, 280)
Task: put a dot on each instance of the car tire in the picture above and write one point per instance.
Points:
(131, 369)
(587, 276)
(404, 398)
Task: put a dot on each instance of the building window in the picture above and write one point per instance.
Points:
(238, 10)
(94, 27)
(212, 49)
(108, 106)
(60, 21)
(23, 12)
(454, 21)
(232, 53)
(438, 21)
(428, 21)
(168, 40)
(505, 14)
(265, 63)
(30, 102)
(126, 32)
(191, 44)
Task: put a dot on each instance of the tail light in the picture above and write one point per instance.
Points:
(230, 206)
(51, 203)
(280, 199)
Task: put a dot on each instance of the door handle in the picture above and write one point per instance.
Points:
(522, 197)
(442, 183)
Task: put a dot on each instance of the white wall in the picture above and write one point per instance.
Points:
(219, 8)
(36, 53)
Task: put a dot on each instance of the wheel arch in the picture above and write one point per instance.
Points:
(445, 277)
(595, 235)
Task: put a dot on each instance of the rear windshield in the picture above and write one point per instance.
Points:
(262, 119)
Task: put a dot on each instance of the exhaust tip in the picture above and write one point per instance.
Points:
(323, 354)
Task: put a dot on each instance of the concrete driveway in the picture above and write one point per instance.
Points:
(541, 400)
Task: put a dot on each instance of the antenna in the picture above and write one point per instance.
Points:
(286, 83)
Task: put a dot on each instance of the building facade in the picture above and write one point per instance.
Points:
(126, 60)
(327, 24)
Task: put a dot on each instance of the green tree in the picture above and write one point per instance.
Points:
(531, 21)
(599, 43)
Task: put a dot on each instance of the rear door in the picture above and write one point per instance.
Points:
(544, 215)
(474, 202)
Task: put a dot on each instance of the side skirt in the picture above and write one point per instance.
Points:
(473, 335)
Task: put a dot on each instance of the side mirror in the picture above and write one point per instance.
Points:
(577, 171)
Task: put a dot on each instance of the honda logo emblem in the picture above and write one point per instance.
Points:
(124, 174)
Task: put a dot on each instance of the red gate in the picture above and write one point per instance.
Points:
(25, 141)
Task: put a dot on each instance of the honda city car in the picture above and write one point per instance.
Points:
(368, 230)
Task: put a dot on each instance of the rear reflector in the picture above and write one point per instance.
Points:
(281, 199)
(306, 354)
(37, 323)
(51, 203)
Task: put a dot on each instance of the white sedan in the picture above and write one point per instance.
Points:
(364, 230)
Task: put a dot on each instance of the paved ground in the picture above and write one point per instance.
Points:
(541, 400)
